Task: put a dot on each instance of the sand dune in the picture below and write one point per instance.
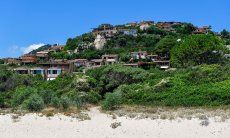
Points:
(60, 126)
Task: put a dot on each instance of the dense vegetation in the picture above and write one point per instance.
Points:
(204, 85)
(201, 77)
(33, 93)
(197, 50)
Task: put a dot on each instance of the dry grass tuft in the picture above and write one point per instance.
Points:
(115, 125)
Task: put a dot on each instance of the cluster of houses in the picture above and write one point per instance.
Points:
(107, 31)
(50, 69)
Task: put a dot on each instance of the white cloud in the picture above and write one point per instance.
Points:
(30, 48)
(14, 49)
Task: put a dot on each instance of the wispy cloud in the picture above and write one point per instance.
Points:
(14, 49)
(30, 48)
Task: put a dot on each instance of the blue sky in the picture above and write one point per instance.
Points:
(35, 22)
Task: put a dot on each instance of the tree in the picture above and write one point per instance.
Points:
(1, 61)
(148, 40)
(186, 28)
(225, 34)
(34, 103)
(197, 50)
(154, 30)
(164, 46)
(112, 101)
(85, 39)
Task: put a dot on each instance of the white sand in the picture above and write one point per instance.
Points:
(59, 126)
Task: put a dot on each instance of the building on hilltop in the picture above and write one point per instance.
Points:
(28, 59)
(106, 30)
(168, 26)
(44, 55)
(146, 24)
(56, 48)
(203, 30)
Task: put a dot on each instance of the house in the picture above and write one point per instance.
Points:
(162, 64)
(38, 71)
(107, 30)
(15, 61)
(54, 68)
(43, 54)
(152, 57)
(56, 48)
(110, 59)
(28, 59)
(80, 62)
(146, 24)
(168, 26)
(139, 55)
(64, 65)
(202, 30)
(132, 32)
(164, 25)
(53, 73)
(95, 63)
(22, 70)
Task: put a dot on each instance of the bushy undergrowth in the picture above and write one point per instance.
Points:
(110, 77)
(33, 93)
(204, 85)
(112, 101)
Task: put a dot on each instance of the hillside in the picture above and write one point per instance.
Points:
(199, 73)
(123, 39)
(42, 48)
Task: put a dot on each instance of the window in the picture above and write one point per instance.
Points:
(54, 72)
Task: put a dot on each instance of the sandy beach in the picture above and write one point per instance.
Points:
(100, 126)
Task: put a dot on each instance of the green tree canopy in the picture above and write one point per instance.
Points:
(1, 61)
(186, 28)
(164, 46)
(225, 34)
(73, 43)
(196, 50)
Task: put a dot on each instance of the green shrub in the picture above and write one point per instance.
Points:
(65, 102)
(34, 103)
(55, 102)
(22, 94)
(112, 101)
(47, 96)
(2, 102)
(93, 97)
(111, 77)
